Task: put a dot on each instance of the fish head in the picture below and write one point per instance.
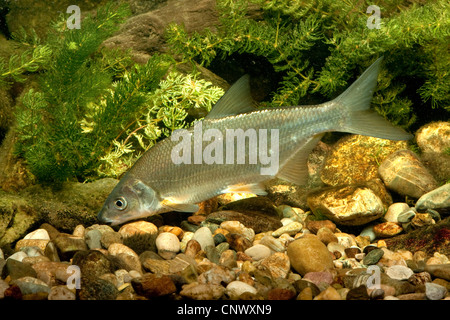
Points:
(130, 199)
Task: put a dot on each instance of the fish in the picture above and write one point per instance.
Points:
(172, 176)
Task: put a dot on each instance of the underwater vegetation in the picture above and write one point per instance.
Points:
(91, 111)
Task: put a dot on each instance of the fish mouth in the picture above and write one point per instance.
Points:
(104, 220)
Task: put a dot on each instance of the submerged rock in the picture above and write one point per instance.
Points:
(433, 140)
(309, 254)
(437, 199)
(348, 205)
(355, 159)
(403, 173)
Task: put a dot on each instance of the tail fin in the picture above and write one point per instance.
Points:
(362, 120)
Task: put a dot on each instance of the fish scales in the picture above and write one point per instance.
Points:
(294, 125)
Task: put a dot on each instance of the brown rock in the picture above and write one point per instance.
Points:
(280, 294)
(152, 285)
(205, 291)
(309, 254)
(315, 225)
(326, 236)
(238, 242)
(387, 229)
(192, 248)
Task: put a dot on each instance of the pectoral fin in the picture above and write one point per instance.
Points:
(181, 207)
(295, 169)
(255, 188)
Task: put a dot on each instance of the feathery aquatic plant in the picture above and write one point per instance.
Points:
(319, 47)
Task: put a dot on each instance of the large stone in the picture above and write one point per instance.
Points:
(437, 199)
(433, 140)
(309, 254)
(403, 173)
(355, 159)
(349, 205)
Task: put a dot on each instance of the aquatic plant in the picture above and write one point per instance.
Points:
(319, 47)
(94, 111)
(33, 57)
(168, 109)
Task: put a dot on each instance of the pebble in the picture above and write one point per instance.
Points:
(291, 229)
(436, 199)
(126, 255)
(168, 245)
(202, 291)
(110, 237)
(387, 229)
(277, 264)
(395, 210)
(18, 256)
(420, 278)
(373, 257)
(309, 254)
(435, 291)
(368, 232)
(68, 245)
(137, 227)
(406, 216)
(337, 249)
(329, 293)
(258, 252)
(315, 225)
(32, 286)
(16, 269)
(93, 239)
(239, 228)
(319, 278)
(61, 293)
(204, 237)
(272, 243)
(439, 270)
(153, 286)
(326, 235)
(399, 272)
(236, 288)
(38, 234)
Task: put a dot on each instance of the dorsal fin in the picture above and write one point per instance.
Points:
(236, 100)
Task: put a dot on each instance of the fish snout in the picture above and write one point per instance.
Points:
(103, 219)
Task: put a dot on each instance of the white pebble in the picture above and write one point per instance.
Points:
(291, 229)
(38, 234)
(399, 272)
(19, 256)
(394, 210)
(235, 288)
(168, 245)
(204, 237)
(258, 252)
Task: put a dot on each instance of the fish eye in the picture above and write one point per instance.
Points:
(120, 203)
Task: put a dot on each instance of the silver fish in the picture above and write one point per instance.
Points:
(159, 183)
